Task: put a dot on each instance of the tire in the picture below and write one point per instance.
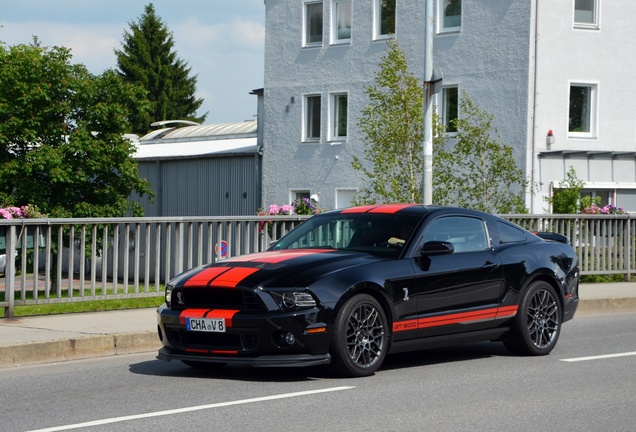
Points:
(360, 339)
(537, 325)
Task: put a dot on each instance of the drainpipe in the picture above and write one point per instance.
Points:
(533, 95)
(427, 192)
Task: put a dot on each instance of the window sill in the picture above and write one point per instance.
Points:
(338, 142)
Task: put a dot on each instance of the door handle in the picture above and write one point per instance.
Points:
(490, 266)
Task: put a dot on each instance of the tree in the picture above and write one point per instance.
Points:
(62, 144)
(148, 60)
(393, 127)
(475, 169)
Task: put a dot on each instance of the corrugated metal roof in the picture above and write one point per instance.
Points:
(201, 140)
(215, 131)
(180, 149)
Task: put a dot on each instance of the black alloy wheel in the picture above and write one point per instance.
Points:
(537, 325)
(360, 338)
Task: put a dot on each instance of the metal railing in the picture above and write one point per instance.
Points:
(113, 258)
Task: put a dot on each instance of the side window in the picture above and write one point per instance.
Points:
(338, 119)
(450, 15)
(450, 108)
(586, 14)
(313, 24)
(341, 24)
(312, 121)
(510, 234)
(467, 234)
(582, 112)
(384, 18)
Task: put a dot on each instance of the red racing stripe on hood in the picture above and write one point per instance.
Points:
(233, 277)
(274, 257)
(205, 276)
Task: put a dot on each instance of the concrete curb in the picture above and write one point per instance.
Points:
(606, 306)
(78, 348)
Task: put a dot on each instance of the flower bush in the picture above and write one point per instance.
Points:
(608, 209)
(23, 212)
(303, 206)
(274, 210)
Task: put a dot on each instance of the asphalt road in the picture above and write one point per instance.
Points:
(477, 387)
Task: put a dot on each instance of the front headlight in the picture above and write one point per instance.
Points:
(169, 289)
(293, 299)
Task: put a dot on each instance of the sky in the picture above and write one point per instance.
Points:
(221, 40)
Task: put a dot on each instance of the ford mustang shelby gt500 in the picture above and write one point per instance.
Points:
(350, 286)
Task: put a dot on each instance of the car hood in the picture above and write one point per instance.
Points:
(281, 268)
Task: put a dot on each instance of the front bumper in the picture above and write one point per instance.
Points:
(291, 360)
(251, 338)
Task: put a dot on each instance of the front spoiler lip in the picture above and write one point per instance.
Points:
(292, 360)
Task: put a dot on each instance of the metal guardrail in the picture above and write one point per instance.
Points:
(113, 258)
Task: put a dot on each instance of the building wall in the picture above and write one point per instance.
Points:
(212, 186)
(514, 58)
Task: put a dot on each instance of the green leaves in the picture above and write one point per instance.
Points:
(148, 60)
(392, 124)
(62, 144)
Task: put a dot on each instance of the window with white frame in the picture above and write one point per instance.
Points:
(345, 197)
(449, 108)
(450, 15)
(312, 117)
(313, 23)
(582, 112)
(586, 13)
(341, 24)
(384, 11)
(338, 118)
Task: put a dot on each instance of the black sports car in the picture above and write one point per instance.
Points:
(350, 286)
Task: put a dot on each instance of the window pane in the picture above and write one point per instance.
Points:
(313, 117)
(584, 11)
(387, 17)
(343, 25)
(340, 116)
(452, 13)
(580, 108)
(450, 108)
(314, 22)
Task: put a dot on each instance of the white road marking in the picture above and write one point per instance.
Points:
(190, 409)
(599, 357)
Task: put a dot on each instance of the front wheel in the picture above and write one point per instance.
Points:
(537, 326)
(360, 339)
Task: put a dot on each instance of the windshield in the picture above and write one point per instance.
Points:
(380, 234)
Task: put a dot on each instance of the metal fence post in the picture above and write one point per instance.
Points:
(9, 272)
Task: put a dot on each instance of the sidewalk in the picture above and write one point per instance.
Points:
(55, 338)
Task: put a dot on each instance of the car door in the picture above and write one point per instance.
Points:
(458, 289)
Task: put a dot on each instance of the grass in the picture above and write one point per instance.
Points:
(85, 306)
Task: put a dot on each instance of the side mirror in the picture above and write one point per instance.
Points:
(436, 247)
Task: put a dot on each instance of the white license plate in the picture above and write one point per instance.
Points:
(216, 325)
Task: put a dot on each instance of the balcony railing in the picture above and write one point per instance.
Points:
(112, 258)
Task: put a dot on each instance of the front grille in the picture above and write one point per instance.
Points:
(181, 339)
(216, 298)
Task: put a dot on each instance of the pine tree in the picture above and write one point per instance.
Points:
(147, 59)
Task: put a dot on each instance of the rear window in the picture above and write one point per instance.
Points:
(510, 234)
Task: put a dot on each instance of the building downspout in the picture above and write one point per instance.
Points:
(533, 95)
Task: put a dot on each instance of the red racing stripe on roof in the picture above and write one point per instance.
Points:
(378, 208)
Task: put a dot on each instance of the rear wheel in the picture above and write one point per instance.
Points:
(537, 326)
(360, 339)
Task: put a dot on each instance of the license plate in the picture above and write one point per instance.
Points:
(216, 325)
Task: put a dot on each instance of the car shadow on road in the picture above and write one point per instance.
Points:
(452, 354)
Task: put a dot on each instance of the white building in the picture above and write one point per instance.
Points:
(538, 66)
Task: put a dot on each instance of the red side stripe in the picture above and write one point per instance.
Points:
(205, 277)
(456, 318)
